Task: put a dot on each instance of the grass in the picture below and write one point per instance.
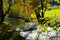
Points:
(55, 12)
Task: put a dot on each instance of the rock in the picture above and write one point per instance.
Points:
(33, 35)
(24, 34)
(41, 37)
(31, 26)
(52, 33)
(44, 33)
(49, 29)
(58, 32)
(18, 29)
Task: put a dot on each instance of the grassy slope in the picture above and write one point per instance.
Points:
(50, 14)
(55, 12)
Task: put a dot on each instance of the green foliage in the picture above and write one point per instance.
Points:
(43, 28)
(13, 21)
(5, 5)
(14, 11)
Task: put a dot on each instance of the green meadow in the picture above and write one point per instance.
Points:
(55, 12)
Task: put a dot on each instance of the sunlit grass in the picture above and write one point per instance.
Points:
(52, 13)
(55, 12)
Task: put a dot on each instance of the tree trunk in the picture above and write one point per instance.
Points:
(42, 14)
(2, 15)
(1, 12)
(42, 6)
(37, 15)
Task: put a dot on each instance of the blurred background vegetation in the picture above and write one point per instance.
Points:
(18, 12)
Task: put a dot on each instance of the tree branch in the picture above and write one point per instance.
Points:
(7, 10)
